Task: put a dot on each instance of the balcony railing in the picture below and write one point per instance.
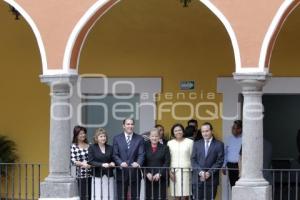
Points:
(22, 181)
(285, 183)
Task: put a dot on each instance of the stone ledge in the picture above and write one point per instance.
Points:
(58, 190)
(251, 193)
(72, 198)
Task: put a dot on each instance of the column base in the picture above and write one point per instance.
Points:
(73, 198)
(252, 182)
(252, 192)
(67, 189)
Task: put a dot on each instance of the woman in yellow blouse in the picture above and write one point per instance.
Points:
(180, 150)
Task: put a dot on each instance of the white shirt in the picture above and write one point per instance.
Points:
(126, 136)
(209, 142)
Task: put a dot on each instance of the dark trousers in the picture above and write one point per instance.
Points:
(156, 190)
(122, 190)
(205, 192)
(84, 188)
(233, 174)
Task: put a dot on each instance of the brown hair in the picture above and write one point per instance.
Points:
(124, 121)
(174, 126)
(76, 131)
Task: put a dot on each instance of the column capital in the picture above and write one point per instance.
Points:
(57, 79)
(59, 84)
(252, 81)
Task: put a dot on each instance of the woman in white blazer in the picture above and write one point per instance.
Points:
(180, 150)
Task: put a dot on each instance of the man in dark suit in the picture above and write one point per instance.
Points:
(207, 155)
(128, 154)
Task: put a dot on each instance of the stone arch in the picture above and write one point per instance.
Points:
(230, 31)
(35, 30)
(86, 23)
(81, 30)
(282, 14)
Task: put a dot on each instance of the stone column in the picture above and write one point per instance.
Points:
(252, 185)
(59, 183)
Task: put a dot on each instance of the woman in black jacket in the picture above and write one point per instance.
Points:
(100, 158)
(156, 155)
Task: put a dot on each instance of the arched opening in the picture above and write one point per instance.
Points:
(175, 43)
(24, 100)
(281, 122)
(162, 39)
(285, 63)
(275, 27)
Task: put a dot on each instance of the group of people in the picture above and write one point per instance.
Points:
(185, 167)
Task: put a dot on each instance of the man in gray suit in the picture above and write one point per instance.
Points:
(207, 159)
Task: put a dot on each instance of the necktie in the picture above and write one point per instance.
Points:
(206, 147)
(128, 142)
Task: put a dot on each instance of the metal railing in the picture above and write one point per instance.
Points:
(20, 181)
(135, 183)
(285, 183)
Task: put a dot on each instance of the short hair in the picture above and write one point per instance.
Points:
(207, 124)
(192, 121)
(238, 123)
(124, 121)
(159, 125)
(153, 130)
(189, 131)
(99, 131)
(77, 129)
(174, 126)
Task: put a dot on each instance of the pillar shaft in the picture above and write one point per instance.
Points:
(252, 185)
(59, 183)
(252, 144)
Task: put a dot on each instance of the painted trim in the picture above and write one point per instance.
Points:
(59, 71)
(90, 28)
(77, 29)
(230, 31)
(247, 70)
(100, 3)
(35, 30)
(271, 30)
